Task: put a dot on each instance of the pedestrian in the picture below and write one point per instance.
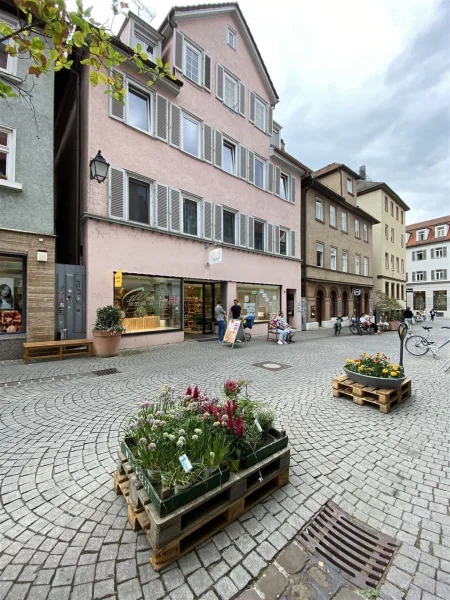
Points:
(220, 318)
(277, 325)
(236, 309)
(408, 317)
(432, 314)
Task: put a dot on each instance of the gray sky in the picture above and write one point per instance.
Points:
(360, 82)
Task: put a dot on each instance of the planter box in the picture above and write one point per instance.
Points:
(376, 382)
(167, 505)
(277, 440)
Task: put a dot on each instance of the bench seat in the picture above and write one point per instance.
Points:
(59, 349)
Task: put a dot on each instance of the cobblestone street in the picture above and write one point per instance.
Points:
(64, 533)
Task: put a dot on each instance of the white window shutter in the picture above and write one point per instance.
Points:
(445, 251)
(251, 232)
(161, 117)
(243, 162)
(432, 275)
(414, 256)
(116, 108)
(292, 244)
(292, 189)
(116, 183)
(207, 143)
(219, 81)
(270, 178)
(251, 167)
(217, 222)
(432, 253)
(269, 120)
(276, 239)
(277, 180)
(414, 276)
(424, 254)
(251, 117)
(243, 230)
(269, 245)
(242, 93)
(175, 125)
(162, 213)
(207, 72)
(207, 219)
(218, 142)
(178, 50)
(175, 210)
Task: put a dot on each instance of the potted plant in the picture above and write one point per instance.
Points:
(107, 331)
(390, 307)
(265, 415)
(376, 371)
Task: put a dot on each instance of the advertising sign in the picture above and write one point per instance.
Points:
(231, 332)
(215, 256)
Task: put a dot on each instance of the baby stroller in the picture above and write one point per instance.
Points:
(247, 324)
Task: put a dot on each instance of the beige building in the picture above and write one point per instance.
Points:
(389, 235)
(337, 274)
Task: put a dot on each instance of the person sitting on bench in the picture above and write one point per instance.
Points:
(285, 326)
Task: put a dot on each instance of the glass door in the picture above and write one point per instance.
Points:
(208, 308)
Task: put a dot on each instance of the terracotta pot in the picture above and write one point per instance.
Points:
(376, 382)
(105, 344)
(394, 325)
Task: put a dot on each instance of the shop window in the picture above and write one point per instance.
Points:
(440, 300)
(259, 235)
(138, 111)
(263, 301)
(229, 227)
(419, 300)
(149, 303)
(138, 201)
(12, 295)
(190, 216)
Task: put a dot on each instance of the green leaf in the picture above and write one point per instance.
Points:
(78, 39)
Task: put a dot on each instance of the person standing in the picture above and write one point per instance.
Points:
(432, 314)
(236, 309)
(408, 316)
(220, 318)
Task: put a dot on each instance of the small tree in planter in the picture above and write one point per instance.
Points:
(390, 307)
(107, 331)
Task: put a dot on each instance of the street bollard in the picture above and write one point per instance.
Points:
(402, 331)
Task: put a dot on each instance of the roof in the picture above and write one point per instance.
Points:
(430, 223)
(334, 166)
(364, 187)
(229, 7)
(132, 16)
(291, 159)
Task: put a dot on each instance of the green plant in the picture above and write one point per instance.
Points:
(387, 305)
(369, 594)
(375, 366)
(265, 415)
(109, 318)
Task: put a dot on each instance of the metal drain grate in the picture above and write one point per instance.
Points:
(360, 552)
(106, 372)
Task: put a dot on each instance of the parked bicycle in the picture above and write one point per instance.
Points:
(357, 328)
(418, 345)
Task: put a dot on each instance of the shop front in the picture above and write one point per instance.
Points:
(200, 299)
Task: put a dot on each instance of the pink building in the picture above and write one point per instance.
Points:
(197, 176)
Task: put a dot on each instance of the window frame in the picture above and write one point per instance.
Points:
(235, 81)
(23, 310)
(397, 264)
(365, 232)
(322, 253)
(396, 213)
(357, 264)
(422, 276)
(333, 212)
(135, 88)
(386, 260)
(233, 33)
(146, 40)
(263, 233)
(263, 161)
(386, 232)
(284, 177)
(402, 265)
(402, 240)
(439, 249)
(386, 204)
(286, 232)
(12, 61)
(319, 213)
(366, 266)
(437, 231)
(189, 117)
(421, 235)
(442, 274)
(349, 185)
(344, 219)
(142, 181)
(345, 261)
(392, 209)
(10, 152)
(357, 229)
(392, 262)
(198, 202)
(234, 214)
(264, 109)
(392, 235)
(333, 255)
(187, 44)
(229, 142)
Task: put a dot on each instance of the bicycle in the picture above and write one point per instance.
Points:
(418, 345)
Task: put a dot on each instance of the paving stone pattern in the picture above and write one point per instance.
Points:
(64, 533)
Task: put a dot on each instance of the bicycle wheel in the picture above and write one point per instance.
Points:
(354, 329)
(248, 336)
(417, 345)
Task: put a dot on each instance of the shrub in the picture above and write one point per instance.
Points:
(109, 318)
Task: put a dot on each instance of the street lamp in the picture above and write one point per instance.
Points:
(99, 168)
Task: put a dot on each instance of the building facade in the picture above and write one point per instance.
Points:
(27, 241)
(389, 235)
(337, 274)
(428, 266)
(199, 205)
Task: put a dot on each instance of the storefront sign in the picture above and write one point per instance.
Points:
(215, 256)
(118, 279)
(356, 292)
(409, 289)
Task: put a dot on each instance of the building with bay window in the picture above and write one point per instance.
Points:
(200, 204)
(27, 242)
(428, 266)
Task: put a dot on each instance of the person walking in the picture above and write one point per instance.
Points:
(220, 318)
(408, 316)
(236, 309)
(432, 314)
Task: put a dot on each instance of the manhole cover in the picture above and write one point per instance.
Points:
(271, 366)
(360, 552)
(106, 372)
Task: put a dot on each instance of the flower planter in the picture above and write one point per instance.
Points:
(376, 382)
(276, 440)
(106, 344)
(393, 325)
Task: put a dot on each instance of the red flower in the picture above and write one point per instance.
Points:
(239, 429)
(188, 391)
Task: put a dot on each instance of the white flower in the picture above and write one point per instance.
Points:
(216, 423)
(165, 435)
(198, 431)
(194, 437)
(171, 437)
(206, 415)
(224, 417)
(181, 432)
(180, 443)
(212, 455)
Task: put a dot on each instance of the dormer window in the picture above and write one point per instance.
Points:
(149, 42)
(147, 46)
(231, 37)
(421, 235)
(350, 185)
(440, 231)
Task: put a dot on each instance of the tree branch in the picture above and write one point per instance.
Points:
(19, 31)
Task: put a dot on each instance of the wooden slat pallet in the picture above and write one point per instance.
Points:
(385, 399)
(180, 532)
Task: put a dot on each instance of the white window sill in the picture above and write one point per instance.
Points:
(10, 184)
(10, 76)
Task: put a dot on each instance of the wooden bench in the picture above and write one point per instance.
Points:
(272, 333)
(59, 349)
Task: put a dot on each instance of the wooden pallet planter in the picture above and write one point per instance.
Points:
(176, 534)
(385, 399)
(277, 440)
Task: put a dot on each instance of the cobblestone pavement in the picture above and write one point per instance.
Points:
(64, 533)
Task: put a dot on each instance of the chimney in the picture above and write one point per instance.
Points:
(362, 172)
(283, 145)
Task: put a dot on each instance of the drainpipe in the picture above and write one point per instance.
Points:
(78, 174)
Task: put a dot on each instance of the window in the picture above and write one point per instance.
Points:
(319, 251)
(332, 216)
(260, 300)
(419, 255)
(231, 91)
(357, 263)
(402, 262)
(419, 300)
(319, 209)
(440, 231)
(149, 303)
(392, 209)
(229, 227)
(421, 235)
(386, 260)
(419, 276)
(357, 233)
(393, 290)
(138, 201)
(397, 264)
(259, 235)
(147, 46)
(12, 294)
(392, 234)
(365, 233)
(439, 274)
(259, 172)
(344, 222)
(386, 204)
(191, 136)
(366, 266)
(386, 232)
(392, 262)
(275, 139)
(402, 240)
(8, 63)
(402, 287)
(386, 289)
(138, 113)
(401, 220)
(344, 261)
(439, 252)
(333, 258)
(260, 114)
(190, 216)
(396, 212)
(440, 300)
(229, 157)
(283, 241)
(350, 185)
(3, 56)
(284, 186)
(231, 37)
(7, 154)
(408, 235)
(193, 63)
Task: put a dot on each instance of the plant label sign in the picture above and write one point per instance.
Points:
(185, 463)
(258, 426)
